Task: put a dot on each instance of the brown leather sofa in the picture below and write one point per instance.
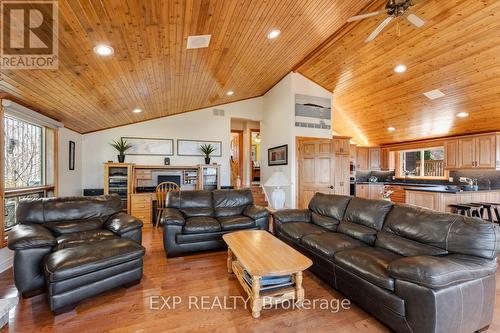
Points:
(196, 220)
(414, 269)
(74, 248)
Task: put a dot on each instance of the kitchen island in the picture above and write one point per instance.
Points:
(440, 197)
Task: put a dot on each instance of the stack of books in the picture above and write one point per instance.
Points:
(270, 283)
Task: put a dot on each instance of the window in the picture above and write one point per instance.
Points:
(23, 154)
(426, 163)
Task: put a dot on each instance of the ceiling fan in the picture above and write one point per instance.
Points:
(394, 9)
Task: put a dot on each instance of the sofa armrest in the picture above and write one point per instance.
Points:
(256, 212)
(172, 216)
(292, 215)
(442, 271)
(121, 223)
(29, 236)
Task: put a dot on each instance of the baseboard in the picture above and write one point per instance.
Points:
(6, 263)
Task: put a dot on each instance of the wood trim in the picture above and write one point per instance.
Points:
(2, 194)
(250, 169)
(28, 190)
(430, 142)
(240, 157)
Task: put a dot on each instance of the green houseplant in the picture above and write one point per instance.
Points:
(121, 147)
(206, 150)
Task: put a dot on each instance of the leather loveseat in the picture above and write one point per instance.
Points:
(74, 248)
(196, 220)
(414, 269)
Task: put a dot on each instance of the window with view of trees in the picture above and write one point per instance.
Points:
(23, 154)
(427, 163)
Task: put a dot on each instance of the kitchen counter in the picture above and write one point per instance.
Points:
(398, 183)
(440, 199)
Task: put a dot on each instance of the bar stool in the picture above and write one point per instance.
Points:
(486, 207)
(494, 208)
(460, 209)
(476, 210)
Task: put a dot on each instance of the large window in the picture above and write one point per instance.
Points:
(425, 163)
(23, 154)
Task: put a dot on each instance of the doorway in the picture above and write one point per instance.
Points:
(255, 156)
(236, 158)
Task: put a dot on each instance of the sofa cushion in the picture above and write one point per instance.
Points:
(358, 231)
(231, 202)
(329, 243)
(68, 227)
(440, 272)
(368, 263)
(191, 203)
(370, 213)
(406, 247)
(201, 224)
(297, 230)
(328, 210)
(79, 238)
(450, 232)
(76, 261)
(236, 222)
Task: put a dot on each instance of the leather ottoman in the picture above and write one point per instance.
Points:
(76, 273)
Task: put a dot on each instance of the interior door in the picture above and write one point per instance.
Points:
(316, 169)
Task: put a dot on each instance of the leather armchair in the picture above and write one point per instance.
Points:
(48, 225)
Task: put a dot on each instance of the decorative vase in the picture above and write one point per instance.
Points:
(207, 160)
(121, 158)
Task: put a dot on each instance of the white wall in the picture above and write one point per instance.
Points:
(278, 126)
(70, 181)
(195, 125)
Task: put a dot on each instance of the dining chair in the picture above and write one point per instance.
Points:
(161, 197)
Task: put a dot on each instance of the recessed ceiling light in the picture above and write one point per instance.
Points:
(104, 50)
(391, 129)
(273, 34)
(137, 110)
(400, 68)
(434, 94)
(230, 93)
(198, 42)
(462, 115)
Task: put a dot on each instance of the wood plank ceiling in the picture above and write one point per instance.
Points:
(457, 51)
(152, 69)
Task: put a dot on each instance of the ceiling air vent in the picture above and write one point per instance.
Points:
(218, 112)
(198, 42)
(434, 94)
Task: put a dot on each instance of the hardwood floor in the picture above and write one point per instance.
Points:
(128, 310)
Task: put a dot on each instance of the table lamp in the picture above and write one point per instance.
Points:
(278, 180)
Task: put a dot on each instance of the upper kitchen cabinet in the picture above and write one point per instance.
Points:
(362, 158)
(387, 159)
(477, 152)
(374, 158)
(342, 145)
(451, 160)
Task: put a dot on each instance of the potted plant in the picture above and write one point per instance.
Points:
(121, 147)
(206, 150)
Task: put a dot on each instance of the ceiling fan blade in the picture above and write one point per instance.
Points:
(415, 20)
(379, 29)
(363, 16)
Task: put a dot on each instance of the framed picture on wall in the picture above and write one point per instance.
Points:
(72, 155)
(150, 146)
(192, 147)
(277, 155)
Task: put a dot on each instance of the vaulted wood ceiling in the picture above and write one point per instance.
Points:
(152, 69)
(457, 51)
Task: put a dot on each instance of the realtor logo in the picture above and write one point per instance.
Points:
(29, 34)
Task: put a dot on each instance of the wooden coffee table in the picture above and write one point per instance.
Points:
(261, 254)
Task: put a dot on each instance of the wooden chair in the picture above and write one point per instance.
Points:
(161, 195)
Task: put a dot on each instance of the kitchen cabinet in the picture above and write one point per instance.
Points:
(342, 181)
(341, 145)
(352, 152)
(362, 158)
(451, 159)
(477, 152)
(375, 191)
(362, 191)
(387, 159)
(374, 158)
(398, 195)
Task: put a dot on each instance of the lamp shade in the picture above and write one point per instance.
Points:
(277, 179)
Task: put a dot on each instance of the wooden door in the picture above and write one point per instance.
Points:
(362, 158)
(315, 170)
(485, 151)
(342, 181)
(374, 158)
(451, 159)
(467, 154)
